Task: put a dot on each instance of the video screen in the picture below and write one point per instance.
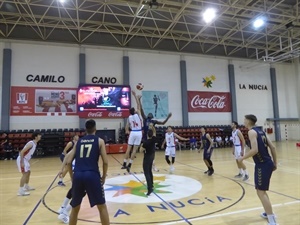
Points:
(104, 99)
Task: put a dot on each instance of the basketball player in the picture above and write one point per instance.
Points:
(149, 148)
(207, 146)
(86, 178)
(264, 166)
(170, 148)
(67, 149)
(149, 121)
(24, 166)
(134, 123)
(238, 150)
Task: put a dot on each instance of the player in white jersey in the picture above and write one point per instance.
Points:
(239, 144)
(23, 163)
(134, 128)
(170, 146)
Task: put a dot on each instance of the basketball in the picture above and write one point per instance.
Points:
(139, 86)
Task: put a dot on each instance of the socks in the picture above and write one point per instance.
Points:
(68, 209)
(241, 171)
(245, 172)
(65, 202)
(61, 179)
(271, 219)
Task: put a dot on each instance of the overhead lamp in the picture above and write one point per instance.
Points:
(259, 22)
(209, 14)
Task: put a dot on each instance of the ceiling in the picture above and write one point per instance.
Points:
(176, 25)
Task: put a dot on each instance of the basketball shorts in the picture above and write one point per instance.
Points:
(62, 157)
(262, 175)
(26, 167)
(88, 182)
(206, 154)
(135, 138)
(170, 151)
(238, 151)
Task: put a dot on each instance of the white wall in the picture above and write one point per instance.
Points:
(199, 68)
(105, 63)
(44, 60)
(1, 67)
(257, 102)
(158, 72)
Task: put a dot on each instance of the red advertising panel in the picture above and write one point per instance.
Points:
(200, 101)
(35, 101)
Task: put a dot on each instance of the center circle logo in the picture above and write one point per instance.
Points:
(132, 188)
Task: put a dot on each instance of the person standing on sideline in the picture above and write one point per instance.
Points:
(171, 148)
(207, 146)
(135, 124)
(149, 148)
(239, 145)
(149, 121)
(67, 149)
(24, 166)
(264, 165)
(87, 178)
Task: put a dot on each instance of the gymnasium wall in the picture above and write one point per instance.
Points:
(1, 67)
(38, 59)
(197, 69)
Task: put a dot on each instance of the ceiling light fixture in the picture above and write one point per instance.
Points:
(209, 15)
(258, 23)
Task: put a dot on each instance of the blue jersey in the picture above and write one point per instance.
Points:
(87, 154)
(262, 145)
(147, 122)
(205, 142)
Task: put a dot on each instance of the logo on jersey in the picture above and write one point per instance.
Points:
(131, 189)
(208, 81)
(22, 98)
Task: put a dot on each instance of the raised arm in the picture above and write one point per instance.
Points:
(165, 121)
(138, 107)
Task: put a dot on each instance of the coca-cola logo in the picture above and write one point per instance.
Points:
(214, 102)
(95, 114)
(115, 114)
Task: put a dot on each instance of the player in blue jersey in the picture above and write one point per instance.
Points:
(264, 165)
(207, 146)
(86, 177)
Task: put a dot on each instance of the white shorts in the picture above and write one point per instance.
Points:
(237, 152)
(135, 138)
(26, 167)
(170, 151)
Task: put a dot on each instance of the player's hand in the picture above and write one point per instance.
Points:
(170, 114)
(242, 153)
(199, 150)
(187, 139)
(103, 179)
(60, 173)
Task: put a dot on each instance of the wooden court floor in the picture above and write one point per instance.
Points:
(187, 196)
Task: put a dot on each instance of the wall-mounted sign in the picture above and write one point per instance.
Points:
(45, 78)
(104, 80)
(253, 87)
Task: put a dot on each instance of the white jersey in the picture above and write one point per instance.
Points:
(235, 138)
(170, 139)
(28, 154)
(135, 122)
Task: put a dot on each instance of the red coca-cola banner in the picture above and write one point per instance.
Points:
(104, 114)
(200, 101)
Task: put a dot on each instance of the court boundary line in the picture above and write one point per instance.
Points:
(237, 212)
(39, 202)
(174, 210)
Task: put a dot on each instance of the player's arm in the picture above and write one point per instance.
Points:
(127, 127)
(254, 146)
(68, 159)
(141, 108)
(163, 144)
(273, 152)
(165, 121)
(243, 142)
(181, 138)
(68, 146)
(138, 107)
(211, 143)
(104, 159)
(22, 152)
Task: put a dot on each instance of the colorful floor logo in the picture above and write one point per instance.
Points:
(131, 189)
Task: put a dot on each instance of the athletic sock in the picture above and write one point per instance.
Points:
(245, 172)
(241, 171)
(130, 161)
(68, 209)
(61, 179)
(271, 219)
(65, 202)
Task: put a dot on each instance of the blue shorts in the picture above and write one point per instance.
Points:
(62, 156)
(89, 182)
(262, 175)
(206, 154)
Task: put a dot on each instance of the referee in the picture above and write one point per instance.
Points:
(149, 148)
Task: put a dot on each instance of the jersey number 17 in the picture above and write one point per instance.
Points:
(88, 148)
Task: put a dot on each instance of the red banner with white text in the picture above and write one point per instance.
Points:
(200, 101)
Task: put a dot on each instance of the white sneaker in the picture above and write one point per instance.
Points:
(155, 169)
(64, 218)
(61, 209)
(23, 193)
(265, 216)
(172, 168)
(28, 188)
